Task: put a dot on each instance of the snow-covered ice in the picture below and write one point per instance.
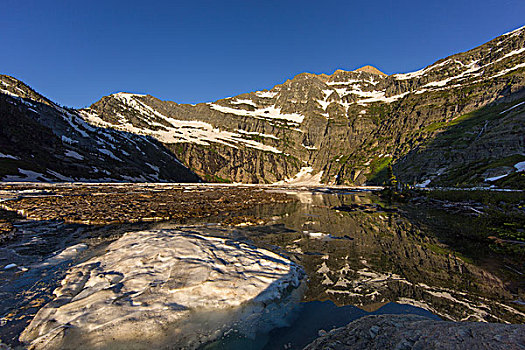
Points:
(158, 287)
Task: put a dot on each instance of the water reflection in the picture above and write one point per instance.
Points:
(368, 257)
(360, 257)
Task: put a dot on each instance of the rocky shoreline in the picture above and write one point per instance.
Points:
(417, 332)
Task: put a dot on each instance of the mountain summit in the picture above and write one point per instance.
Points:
(371, 70)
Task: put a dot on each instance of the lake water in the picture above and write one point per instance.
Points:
(360, 258)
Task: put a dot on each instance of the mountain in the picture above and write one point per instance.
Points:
(459, 121)
(371, 69)
(42, 141)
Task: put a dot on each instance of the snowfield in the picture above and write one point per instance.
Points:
(159, 287)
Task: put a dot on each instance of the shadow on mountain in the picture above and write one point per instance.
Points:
(484, 143)
(42, 142)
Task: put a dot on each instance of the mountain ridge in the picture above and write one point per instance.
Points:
(342, 128)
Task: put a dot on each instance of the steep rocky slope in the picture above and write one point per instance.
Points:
(41, 141)
(346, 127)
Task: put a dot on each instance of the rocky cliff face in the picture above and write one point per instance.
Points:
(463, 111)
(41, 141)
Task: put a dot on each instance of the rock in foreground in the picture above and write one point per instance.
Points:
(164, 288)
(417, 332)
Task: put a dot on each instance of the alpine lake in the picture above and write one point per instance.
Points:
(360, 254)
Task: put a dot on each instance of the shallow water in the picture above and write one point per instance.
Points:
(364, 261)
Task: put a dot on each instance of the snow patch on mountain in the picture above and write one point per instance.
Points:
(270, 112)
(181, 131)
(304, 177)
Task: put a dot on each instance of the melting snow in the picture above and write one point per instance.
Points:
(28, 175)
(109, 153)
(511, 108)
(73, 154)
(424, 183)
(165, 286)
(520, 166)
(266, 94)
(494, 178)
(303, 177)
(8, 156)
(246, 102)
(180, 130)
(270, 112)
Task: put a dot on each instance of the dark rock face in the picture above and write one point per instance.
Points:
(417, 332)
(41, 141)
(461, 113)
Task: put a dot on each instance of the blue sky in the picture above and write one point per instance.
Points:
(75, 52)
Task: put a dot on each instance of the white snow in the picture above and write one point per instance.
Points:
(60, 176)
(310, 148)
(10, 266)
(303, 178)
(512, 53)
(511, 108)
(246, 102)
(27, 175)
(8, 93)
(420, 72)
(8, 156)
(515, 31)
(520, 166)
(266, 94)
(109, 153)
(494, 178)
(323, 269)
(316, 235)
(73, 154)
(348, 82)
(257, 134)
(155, 168)
(150, 287)
(508, 70)
(67, 254)
(270, 112)
(197, 132)
(424, 184)
(68, 140)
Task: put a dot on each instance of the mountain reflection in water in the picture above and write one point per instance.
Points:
(369, 256)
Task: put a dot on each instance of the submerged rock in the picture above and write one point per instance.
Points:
(417, 332)
(165, 288)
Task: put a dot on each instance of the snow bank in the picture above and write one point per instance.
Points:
(166, 287)
(303, 178)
